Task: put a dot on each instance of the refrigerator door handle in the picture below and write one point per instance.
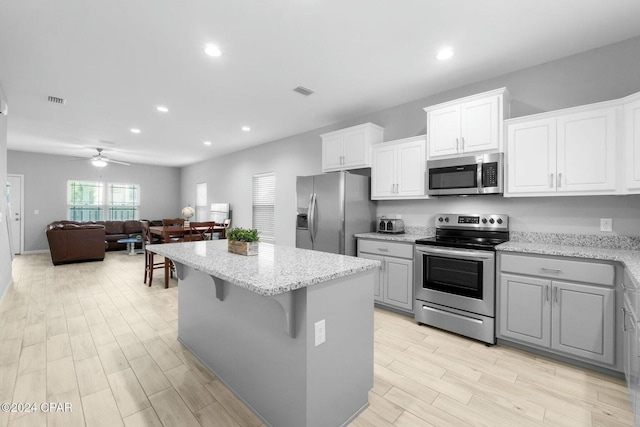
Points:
(312, 217)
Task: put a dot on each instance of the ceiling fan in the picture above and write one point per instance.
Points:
(100, 160)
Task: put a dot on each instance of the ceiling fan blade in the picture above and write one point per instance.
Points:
(118, 162)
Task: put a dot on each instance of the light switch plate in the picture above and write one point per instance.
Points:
(606, 224)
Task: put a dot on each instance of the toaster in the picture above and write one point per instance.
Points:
(390, 225)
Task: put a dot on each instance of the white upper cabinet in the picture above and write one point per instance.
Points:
(566, 152)
(398, 169)
(349, 148)
(587, 151)
(467, 125)
(632, 143)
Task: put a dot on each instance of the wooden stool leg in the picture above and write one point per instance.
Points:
(150, 268)
(167, 268)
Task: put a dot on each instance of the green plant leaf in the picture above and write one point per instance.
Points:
(243, 235)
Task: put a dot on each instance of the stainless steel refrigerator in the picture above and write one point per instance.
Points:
(332, 207)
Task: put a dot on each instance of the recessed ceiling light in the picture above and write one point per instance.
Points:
(162, 109)
(207, 143)
(444, 53)
(246, 128)
(212, 50)
(135, 130)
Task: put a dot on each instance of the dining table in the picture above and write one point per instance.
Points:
(167, 232)
(178, 231)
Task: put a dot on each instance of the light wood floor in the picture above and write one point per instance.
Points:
(93, 335)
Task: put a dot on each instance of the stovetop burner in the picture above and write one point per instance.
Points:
(474, 231)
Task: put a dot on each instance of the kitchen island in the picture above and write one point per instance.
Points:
(257, 322)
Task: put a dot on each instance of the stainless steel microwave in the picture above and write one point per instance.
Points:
(482, 174)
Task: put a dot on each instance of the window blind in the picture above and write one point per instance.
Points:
(202, 213)
(263, 201)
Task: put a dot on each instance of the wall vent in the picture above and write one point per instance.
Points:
(56, 100)
(303, 90)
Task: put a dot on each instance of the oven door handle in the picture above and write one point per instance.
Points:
(453, 253)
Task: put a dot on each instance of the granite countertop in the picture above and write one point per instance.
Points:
(275, 270)
(410, 235)
(584, 247)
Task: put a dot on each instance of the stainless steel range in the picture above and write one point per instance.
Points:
(455, 274)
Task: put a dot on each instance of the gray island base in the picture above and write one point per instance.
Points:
(256, 331)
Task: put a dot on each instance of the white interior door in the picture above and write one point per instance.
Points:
(14, 202)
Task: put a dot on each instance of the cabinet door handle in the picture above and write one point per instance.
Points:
(550, 180)
(624, 320)
(457, 144)
(546, 292)
(559, 179)
(555, 294)
(462, 143)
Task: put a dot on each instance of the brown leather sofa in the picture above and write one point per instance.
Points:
(116, 230)
(75, 242)
(67, 245)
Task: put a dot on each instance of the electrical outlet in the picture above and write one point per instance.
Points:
(320, 332)
(606, 224)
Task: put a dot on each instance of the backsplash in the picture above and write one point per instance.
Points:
(426, 231)
(589, 240)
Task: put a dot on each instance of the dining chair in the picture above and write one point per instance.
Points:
(173, 222)
(149, 264)
(201, 230)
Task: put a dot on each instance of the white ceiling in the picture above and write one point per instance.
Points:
(114, 61)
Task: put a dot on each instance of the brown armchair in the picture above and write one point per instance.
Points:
(73, 242)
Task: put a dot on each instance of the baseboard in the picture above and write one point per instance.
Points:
(39, 251)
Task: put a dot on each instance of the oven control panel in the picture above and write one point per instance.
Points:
(473, 221)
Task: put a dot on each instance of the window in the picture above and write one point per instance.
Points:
(264, 198)
(202, 212)
(123, 201)
(87, 201)
(84, 199)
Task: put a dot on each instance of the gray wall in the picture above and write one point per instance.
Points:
(45, 189)
(5, 252)
(602, 74)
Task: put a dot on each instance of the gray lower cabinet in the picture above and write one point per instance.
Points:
(395, 287)
(540, 304)
(631, 335)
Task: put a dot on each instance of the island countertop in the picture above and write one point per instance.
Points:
(275, 270)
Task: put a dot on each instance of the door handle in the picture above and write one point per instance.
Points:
(310, 214)
(555, 294)
(624, 320)
(463, 143)
(546, 291)
(457, 144)
(550, 180)
(559, 179)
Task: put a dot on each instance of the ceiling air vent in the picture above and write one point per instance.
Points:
(56, 100)
(303, 90)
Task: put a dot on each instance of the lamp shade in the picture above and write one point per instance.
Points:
(188, 212)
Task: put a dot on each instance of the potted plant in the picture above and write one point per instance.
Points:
(243, 241)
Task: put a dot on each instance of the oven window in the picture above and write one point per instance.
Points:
(454, 276)
(453, 177)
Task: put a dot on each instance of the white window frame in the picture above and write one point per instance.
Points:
(263, 205)
(103, 206)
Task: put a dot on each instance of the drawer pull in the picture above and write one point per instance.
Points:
(551, 270)
(383, 249)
